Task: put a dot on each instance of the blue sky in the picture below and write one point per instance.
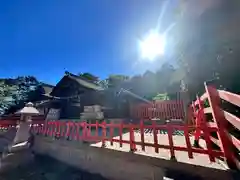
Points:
(46, 37)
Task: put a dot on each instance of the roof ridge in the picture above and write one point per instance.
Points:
(79, 77)
(70, 74)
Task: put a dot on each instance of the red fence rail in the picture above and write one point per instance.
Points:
(6, 124)
(169, 109)
(83, 131)
(219, 119)
(16, 117)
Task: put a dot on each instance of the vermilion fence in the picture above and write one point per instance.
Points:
(82, 131)
(6, 124)
(209, 104)
(169, 109)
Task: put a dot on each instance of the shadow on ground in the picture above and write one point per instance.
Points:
(45, 168)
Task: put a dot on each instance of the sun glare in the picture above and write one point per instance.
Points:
(152, 46)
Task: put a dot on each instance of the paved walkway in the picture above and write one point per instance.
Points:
(45, 168)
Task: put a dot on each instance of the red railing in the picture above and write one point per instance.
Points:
(16, 117)
(83, 131)
(169, 109)
(219, 120)
(5, 124)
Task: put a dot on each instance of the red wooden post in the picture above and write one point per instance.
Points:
(175, 109)
(205, 129)
(42, 129)
(79, 130)
(156, 112)
(165, 111)
(76, 128)
(63, 126)
(58, 129)
(89, 127)
(104, 134)
(111, 133)
(171, 110)
(73, 129)
(132, 141)
(198, 130)
(120, 133)
(54, 128)
(170, 133)
(146, 112)
(68, 130)
(168, 110)
(85, 131)
(155, 136)
(48, 128)
(97, 125)
(188, 143)
(142, 135)
(47, 131)
(219, 118)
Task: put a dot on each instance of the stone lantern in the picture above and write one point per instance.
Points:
(23, 128)
(27, 112)
(22, 140)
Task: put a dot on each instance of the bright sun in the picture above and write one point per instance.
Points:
(152, 46)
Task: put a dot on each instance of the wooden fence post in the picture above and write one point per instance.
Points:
(155, 137)
(120, 134)
(205, 129)
(132, 139)
(111, 132)
(67, 135)
(104, 134)
(197, 132)
(142, 134)
(219, 118)
(170, 138)
(58, 129)
(85, 132)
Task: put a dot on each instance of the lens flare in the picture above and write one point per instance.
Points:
(152, 46)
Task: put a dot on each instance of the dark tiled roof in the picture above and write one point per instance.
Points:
(84, 82)
(81, 81)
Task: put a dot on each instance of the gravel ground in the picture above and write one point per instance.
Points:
(45, 168)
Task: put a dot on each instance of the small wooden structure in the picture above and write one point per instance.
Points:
(68, 96)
